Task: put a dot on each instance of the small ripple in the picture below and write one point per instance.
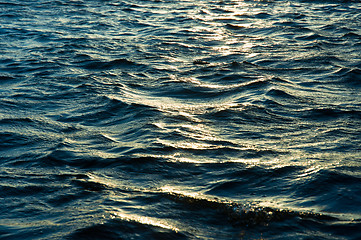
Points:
(323, 113)
(278, 93)
(127, 228)
(332, 186)
(106, 65)
(349, 76)
(4, 78)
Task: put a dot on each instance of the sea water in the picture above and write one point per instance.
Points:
(162, 119)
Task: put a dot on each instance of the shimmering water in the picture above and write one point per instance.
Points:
(159, 119)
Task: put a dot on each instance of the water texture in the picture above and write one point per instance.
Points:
(159, 119)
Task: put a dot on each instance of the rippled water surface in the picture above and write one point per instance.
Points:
(162, 119)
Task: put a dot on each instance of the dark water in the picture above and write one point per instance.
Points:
(159, 119)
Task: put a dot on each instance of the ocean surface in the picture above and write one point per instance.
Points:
(163, 119)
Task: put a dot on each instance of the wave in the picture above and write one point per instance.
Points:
(239, 214)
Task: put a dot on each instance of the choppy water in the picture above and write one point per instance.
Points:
(142, 119)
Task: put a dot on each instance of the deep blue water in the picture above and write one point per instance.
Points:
(160, 119)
